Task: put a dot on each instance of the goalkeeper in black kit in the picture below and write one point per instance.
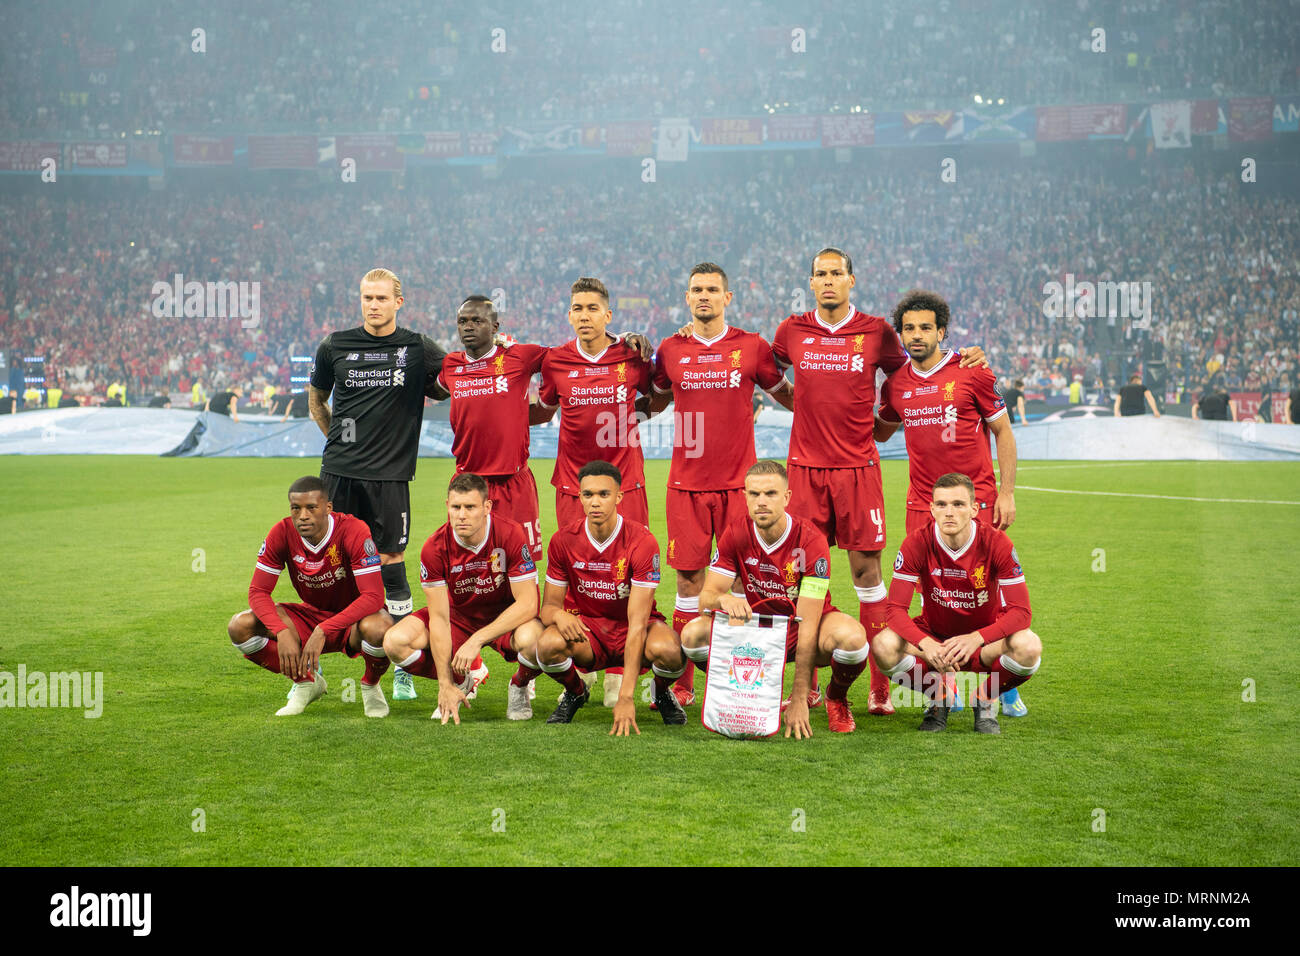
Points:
(379, 375)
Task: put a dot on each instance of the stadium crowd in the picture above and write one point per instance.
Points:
(78, 286)
(391, 65)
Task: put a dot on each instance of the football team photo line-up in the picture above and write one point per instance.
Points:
(745, 537)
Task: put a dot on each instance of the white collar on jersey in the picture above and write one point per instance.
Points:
(618, 526)
(482, 358)
(713, 341)
(758, 535)
(963, 549)
(315, 548)
(590, 358)
(487, 531)
(838, 325)
(948, 353)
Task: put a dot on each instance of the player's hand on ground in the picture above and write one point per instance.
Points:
(959, 649)
(571, 628)
(463, 660)
(796, 717)
(450, 697)
(310, 656)
(972, 356)
(1004, 510)
(624, 719)
(736, 608)
(640, 343)
(287, 645)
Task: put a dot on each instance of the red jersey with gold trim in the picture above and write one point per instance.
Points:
(712, 382)
(597, 399)
(478, 579)
(489, 407)
(600, 577)
(771, 574)
(835, 385)
(945, 414)
(339, 574)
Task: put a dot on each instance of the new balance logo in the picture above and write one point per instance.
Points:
(686, 360)
(810, 340)
(353, 357)
(573, 374)
(751, 561)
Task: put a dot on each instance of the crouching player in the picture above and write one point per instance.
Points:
(976, 610)
(334, 567)
(480, 582)
(784, 566)
(599, 607)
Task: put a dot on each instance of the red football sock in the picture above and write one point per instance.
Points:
(842, 677)
(615, 670)
(663, 683)
(269, 657)
(422, 666)
(872, 615)
(478, 662)
(570, 680)
(1005, 680)
(524, 675)
(376, 667)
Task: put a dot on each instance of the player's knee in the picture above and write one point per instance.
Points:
(526, 635)
(240, 627)
(1025, 646)
(375, 627)
(551, 646)
(849, 635)
(397, 643)
(696, 632)
(886, 648)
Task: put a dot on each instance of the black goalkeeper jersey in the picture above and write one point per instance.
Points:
(379, 385)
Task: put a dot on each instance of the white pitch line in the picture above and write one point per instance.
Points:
(1094, 464)
(1126, 494)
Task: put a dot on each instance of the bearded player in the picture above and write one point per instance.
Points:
(834, 465)
(594, 381)
(334, 566)
(783, 563)
(976, 613)
(599, 606)
(480, 581)
(947, 413)
(379, 375)
(709, 376)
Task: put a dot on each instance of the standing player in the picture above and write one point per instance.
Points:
(710, 377)
(595, 379)
(334, 566)
(834, 466)
(488, 387)
(379, 375)
(976, 613)
(947, 413)
(784, 565)
(478, 575)
(599, 607)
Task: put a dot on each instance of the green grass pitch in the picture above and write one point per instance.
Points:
(132, 566)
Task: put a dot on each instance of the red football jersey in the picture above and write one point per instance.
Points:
(771, 574)
(835, 385)
(944, 413)
(979, 587)
(489, 407)
(713, 397)
(597, 399)
(599, 577)
(340, 574)
(478, 579)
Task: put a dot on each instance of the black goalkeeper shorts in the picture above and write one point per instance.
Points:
(384, 505)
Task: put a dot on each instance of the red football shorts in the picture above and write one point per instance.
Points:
(972, 663)
(461, 629)
(695, 519)
(845, 504)
(918, 519)
(568, 508)
(515, 497)
(608, 639)
(307, 617)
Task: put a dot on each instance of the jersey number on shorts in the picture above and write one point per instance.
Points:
(875, 519)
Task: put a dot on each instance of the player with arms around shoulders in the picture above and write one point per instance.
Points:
(478, 575)
(783, 563)
(379, 375)
(599, 606)
(709, 375)
(976, 613)
(334, 566)
(947, 413)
